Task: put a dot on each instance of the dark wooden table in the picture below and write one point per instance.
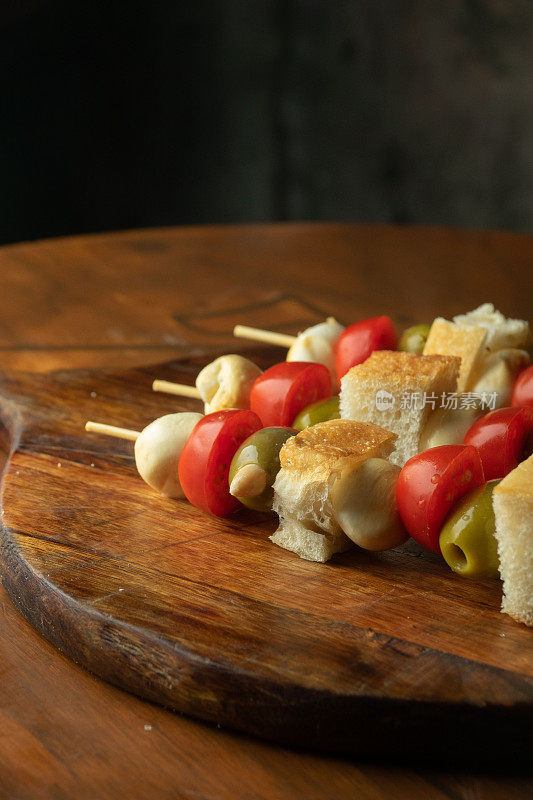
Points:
(149, 296)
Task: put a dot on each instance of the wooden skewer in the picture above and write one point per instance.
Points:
(180, 389)
(112, 430)
(259, 335)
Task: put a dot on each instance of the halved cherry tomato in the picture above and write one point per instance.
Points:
(430, 484)
(359, 340)
(502, 438)
(523, 389)
(205, 460)
(281, 392)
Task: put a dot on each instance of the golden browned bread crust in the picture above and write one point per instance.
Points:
(317, 450)
(403, 369)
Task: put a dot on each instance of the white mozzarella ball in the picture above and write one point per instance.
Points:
(447, 426)
(158, 448)
(227, 382)
(317, 344)
(499, 373)
(364, 504)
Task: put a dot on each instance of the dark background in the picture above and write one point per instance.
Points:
(126, 114)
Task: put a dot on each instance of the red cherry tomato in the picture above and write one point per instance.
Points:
(281, 392)
(430, 484)
(523, 389)
(502, 439)
(359, 340)
(205, 460)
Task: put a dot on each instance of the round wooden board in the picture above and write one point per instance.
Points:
(381, 655)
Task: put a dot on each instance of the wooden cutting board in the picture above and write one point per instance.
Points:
(371, 654)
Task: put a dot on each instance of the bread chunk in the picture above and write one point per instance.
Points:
(397, 375)
(310, 462)
(513, 510)
(466, 343)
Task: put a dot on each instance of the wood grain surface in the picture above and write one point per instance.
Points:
(64, 733)
(368, 655)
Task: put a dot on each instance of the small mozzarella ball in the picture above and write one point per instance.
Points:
(499, 372)
(363, 498)
(158, 448)
(447, 426)
(227, 382)
(317, 344)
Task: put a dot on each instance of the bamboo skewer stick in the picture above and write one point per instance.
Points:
(259, 335)
(180, 389)
(112, 430)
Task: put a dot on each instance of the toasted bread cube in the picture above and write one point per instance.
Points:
(395, 376)
(513, 510)
(446, 338)
(310, 462)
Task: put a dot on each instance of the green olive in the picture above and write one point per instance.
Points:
(414, 338)
(255, 465)
(318, 412)
(467, 539)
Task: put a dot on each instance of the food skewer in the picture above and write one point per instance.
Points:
(227, 381)
(201, 456)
